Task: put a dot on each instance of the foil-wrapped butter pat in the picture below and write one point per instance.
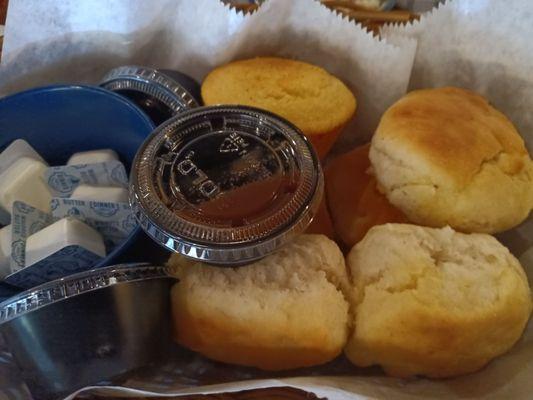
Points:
(93, 157)
(100, 193)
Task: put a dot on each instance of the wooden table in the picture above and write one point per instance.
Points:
(3, 12)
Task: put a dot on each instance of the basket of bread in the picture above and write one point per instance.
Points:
(315, 207)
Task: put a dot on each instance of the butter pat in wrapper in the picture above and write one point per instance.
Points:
(66, 232)
(26, 221)
(114, 221)
(23, 181)
(100, 193)
(17, 149)
(93, 157)
(65, 247)
(5, 251)
(64, 179)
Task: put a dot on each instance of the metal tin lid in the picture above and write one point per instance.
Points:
(74, 285)
(161, 96)
(225, 184)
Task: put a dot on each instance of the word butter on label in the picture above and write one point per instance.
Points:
(26, 220)
(64, 179)
(114, 221)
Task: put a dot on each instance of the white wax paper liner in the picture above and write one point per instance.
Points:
(486, 46)
(478, 44)
(81, 40)
(483, 45)
(322, 390)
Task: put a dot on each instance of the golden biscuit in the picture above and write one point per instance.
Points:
(284, 311)
(434, 302)
(447, 157)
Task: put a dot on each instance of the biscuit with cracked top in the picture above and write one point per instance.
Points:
(434, 302)
(447, 157)
(284, 311)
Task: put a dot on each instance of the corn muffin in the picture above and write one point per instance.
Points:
(315, 101)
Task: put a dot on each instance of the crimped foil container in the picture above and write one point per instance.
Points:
(161, 94)
(79, 330)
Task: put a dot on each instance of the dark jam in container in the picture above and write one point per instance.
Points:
(156, 110)
(161, 94)
(225, 184)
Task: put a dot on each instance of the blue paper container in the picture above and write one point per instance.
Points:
(61, 120)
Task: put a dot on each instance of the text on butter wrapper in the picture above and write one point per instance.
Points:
(62, 180)
(26, 220)
(114, 221)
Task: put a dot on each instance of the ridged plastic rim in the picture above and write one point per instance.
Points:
(151, 82)
(224, 245)
(77, 284)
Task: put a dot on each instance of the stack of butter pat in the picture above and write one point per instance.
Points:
(97, 193)
(93, 187)
(115, 194)
(59, 220)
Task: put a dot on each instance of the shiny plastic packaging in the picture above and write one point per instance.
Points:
(226, 184)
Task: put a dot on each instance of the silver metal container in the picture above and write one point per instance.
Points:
(88, 327)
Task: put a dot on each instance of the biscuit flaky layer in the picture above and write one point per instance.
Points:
(282, 312)
(315, 101)
(447, 157)
(434, 302)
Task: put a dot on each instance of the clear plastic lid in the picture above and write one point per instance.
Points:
(161, 94)
(225, 184)
(74, 285)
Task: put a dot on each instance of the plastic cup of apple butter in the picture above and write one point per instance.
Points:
(226, 185)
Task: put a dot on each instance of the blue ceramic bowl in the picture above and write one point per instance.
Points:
(61, 120)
